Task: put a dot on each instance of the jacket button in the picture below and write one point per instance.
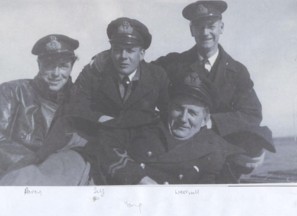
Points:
(149, 153)
(142, 165)
(180, 176)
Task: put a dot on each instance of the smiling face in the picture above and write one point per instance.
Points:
(55, 73)
(186, 117)
(126, 59)
(207, 34)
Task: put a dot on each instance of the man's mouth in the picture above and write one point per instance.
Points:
(122, 65)
(181, 126)
(54, 82)
(206, 39)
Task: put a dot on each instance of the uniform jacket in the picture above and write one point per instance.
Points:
(165, 159)
(237, 104)
(26, 112)
(96, 93)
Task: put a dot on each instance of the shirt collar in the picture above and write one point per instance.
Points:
(211, 59)
(134, 76)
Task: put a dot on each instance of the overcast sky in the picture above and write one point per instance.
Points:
(262, 34)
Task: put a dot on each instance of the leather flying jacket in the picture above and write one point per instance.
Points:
(27, 108)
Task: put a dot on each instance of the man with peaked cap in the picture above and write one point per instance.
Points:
(236, 105)
(28, 106)
(119, 97)
(124, 92)
(180, 151)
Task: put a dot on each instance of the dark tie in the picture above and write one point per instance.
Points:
(206, 65)
(125, 82)
(203, 72)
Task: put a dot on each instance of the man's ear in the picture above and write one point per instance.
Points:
(222, 27)
(206, 118)
(39, 64)
(142, 53)
(192, 30)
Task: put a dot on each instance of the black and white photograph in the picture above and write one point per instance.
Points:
(149, 94)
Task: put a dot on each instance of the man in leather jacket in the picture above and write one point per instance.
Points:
(28, 106)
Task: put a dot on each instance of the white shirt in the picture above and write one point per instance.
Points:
(210, 61)
(131, 75)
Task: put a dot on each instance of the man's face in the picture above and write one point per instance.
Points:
(126, 59)
(55, 73)
(186, 117)
(207, 33)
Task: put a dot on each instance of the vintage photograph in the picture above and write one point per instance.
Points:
(160, 92)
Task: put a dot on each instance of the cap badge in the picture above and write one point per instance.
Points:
(201, 9)
(53, 44)
(125, 28)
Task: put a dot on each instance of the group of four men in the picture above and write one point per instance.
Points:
(190, 117)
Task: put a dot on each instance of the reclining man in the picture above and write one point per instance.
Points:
(181, 150)
(27, 109)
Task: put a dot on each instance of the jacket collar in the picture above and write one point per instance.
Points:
(110, 88)
(224, 57)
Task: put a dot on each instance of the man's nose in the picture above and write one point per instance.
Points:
(184, 116)
(124, 54)
(205, 31)
(56, 71)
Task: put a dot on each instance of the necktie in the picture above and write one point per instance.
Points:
(125, 82)
(206, 64)
(203, 71)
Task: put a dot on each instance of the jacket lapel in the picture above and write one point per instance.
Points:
(144, 85)
(223, 79)
(109, 87)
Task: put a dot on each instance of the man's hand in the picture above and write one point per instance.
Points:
(247, 161)
(105, 118)
(147, 180)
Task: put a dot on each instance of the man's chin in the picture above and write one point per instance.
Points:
(180, 134)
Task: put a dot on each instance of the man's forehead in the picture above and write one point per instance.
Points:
(207, 21)
(125, 47)
(56, 60)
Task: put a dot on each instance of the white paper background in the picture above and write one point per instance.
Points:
(148, 201)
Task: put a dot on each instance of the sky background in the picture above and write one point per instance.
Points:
(262, 34)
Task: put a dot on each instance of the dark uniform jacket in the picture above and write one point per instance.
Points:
(236, 103)
(155, 153)
(26, 113)
(97, 94)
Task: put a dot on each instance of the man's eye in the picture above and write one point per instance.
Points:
(130, 50)
(63, 65)
(193, 113)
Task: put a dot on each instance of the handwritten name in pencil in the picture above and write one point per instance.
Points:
(134, 205)
(187, 192)
(98, 193)
(29, 191)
